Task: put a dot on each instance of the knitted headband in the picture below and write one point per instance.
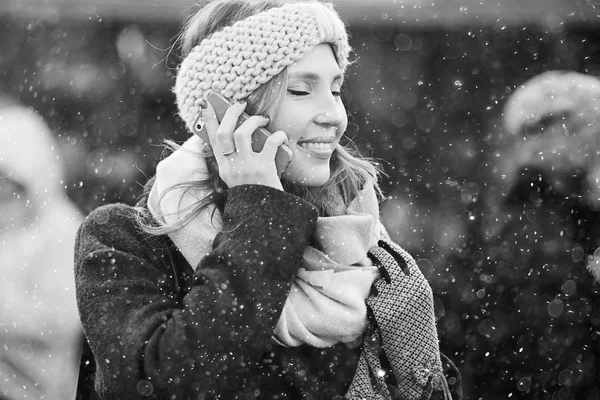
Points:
(236, 60)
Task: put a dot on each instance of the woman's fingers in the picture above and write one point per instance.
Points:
(225, 140)
(226, 137)
(232, 147)
(272, 144)
(243, 135)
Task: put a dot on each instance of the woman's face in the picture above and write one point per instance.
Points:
(312, 115)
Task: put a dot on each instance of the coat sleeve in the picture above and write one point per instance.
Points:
(150, 342)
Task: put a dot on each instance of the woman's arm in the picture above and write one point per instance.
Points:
(146, 339)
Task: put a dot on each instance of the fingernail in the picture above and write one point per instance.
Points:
(266, 116)
(204, 111)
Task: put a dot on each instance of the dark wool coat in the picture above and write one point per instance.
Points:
(157, 329)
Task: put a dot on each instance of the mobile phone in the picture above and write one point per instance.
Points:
(259, 136)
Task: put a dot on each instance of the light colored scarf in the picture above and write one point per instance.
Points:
(326, 304)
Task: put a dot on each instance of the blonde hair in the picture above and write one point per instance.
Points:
(349, 170)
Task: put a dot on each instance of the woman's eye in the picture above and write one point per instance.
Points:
(336, 93)
(297, 92)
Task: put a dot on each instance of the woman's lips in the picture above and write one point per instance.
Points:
(322, 149)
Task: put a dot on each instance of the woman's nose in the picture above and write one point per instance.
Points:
(330, 111)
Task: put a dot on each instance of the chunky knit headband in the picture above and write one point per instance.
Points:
(236, 60)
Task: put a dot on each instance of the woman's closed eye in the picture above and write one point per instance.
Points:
(298, 92)
(336, 93)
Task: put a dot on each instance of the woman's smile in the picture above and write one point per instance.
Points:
(321, 148)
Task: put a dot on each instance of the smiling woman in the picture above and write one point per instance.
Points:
(232, 279)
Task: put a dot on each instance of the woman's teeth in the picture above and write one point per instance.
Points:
(317, 146)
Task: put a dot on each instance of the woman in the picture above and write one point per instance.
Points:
(40, 332)
(233, 282)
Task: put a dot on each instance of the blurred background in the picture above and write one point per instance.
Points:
(425, 97)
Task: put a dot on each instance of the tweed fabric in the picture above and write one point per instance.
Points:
(368, 381)
(236, 60)
(403, 327)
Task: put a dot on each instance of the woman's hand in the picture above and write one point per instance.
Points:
(238, 163)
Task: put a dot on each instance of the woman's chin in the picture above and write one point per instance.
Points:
(316, 178)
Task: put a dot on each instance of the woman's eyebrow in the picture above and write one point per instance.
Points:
(307, 75)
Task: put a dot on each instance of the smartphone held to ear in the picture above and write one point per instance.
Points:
(259, 136)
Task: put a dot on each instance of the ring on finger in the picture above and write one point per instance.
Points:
(227, 153)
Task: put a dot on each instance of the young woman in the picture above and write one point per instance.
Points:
(232, 281)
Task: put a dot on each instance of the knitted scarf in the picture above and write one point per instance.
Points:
(326, 304)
